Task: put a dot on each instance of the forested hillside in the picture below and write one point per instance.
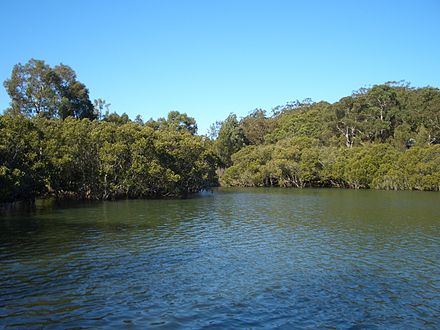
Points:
(383, 137)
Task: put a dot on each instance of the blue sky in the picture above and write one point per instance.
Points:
(210, 58)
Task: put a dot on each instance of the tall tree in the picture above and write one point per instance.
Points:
(231, 139)
(255, 126)
(181, 122)
(36, 89)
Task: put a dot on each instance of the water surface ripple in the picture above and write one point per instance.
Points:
(249, 258)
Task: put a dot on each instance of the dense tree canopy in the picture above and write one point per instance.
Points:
(54, 141)
(100, 160)
(383, 137)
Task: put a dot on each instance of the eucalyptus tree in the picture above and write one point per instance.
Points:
(36, 89)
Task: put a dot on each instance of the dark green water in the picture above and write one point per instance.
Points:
(254, 258)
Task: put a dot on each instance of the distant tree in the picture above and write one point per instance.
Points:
(116, 118)
(139, 120)
(154, 124)
(231, 138)
(214, 129)
(75, 101)
(255, 126)
(36, 89)
(181, 121)
(32, 88)
(101, 108)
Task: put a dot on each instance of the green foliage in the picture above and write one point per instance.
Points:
(418, 168)
(310, 120)
(116, 118)
(255, 126)
(21, 160)
(362, 164)
(36, 89)
(86, 159)
(49, 145)
(384, 137)
(231, 138)
(175, 121)
(181, 122)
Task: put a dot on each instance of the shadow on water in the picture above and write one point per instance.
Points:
(57, 225)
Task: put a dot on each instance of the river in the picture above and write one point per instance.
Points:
(235, 258)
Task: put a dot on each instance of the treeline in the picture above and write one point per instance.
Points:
(384, 137)
(55, 142)
(85, 159)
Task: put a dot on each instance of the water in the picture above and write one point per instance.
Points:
(249, 258)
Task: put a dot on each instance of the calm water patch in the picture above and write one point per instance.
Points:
(237, 258)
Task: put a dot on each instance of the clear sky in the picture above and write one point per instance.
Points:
(209, 58)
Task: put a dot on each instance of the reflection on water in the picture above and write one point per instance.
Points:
(236, 258)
